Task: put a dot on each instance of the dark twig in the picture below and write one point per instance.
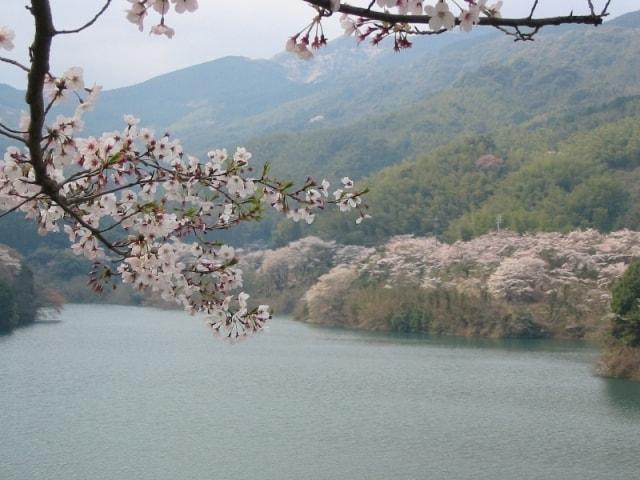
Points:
(24, 202)
(12, 136)
(88, 24)
(535, 5)
(15, 63)
(2, 125)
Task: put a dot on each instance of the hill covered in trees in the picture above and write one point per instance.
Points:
(497, 285)
(575, 171)
(19, 300)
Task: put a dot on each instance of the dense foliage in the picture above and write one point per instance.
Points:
(533, 181)
(625, 304)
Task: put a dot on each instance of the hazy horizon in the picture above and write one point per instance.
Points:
(268, 28)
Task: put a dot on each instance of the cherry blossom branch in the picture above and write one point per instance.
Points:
(94, 231)
(492, 21)
(89, 198)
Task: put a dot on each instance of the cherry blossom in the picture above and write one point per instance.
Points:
(469, 18)
(441, 16)
(162, 29)
(6, 38)
(491, 10)
(532, 272)
(182, 6)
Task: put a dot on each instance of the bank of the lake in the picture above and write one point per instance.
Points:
(122, 392)
(499, 285)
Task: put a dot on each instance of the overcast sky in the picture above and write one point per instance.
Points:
(113, 53)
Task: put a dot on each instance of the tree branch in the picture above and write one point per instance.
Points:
(593, 19)
(88, 24)
(9, 133)
(24, 202)
(94, 231)
(535, 5)
(15, 63)
(88, 198)
(2, 125)
(40, 53)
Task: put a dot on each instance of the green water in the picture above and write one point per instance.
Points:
(130, 393)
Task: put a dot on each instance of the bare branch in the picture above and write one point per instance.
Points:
(7, 133)
(535, 5)
(2, 125)
(14, 63)
(88, 24)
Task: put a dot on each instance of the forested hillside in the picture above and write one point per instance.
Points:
(531, 178)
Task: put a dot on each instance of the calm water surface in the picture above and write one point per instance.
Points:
(130, 393)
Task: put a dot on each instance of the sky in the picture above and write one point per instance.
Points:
(113, 53)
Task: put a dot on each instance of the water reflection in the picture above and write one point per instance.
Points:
(117, 392)
(624, 397)
(511, 344)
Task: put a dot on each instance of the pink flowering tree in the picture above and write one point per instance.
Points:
(146, 212)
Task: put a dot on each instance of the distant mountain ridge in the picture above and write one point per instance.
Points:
(356, 110)
(233, 99)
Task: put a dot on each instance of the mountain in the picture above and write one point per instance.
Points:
(356, 110)
(629, 20)
(233, 100)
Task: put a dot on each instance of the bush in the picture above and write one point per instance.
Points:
(620, 361)
(625, 304)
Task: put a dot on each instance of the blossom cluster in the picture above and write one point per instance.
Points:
(6, 38)
(440, 19)
(299, 263)
(507, 265)
(139, 9)
(146, 213)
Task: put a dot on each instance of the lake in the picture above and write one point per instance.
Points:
(145, 394)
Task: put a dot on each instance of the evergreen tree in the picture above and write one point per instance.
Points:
(625, 304)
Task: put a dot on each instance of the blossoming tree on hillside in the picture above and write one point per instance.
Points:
(143, 210)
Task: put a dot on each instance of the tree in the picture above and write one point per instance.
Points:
(625, 304)
(144, 211)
